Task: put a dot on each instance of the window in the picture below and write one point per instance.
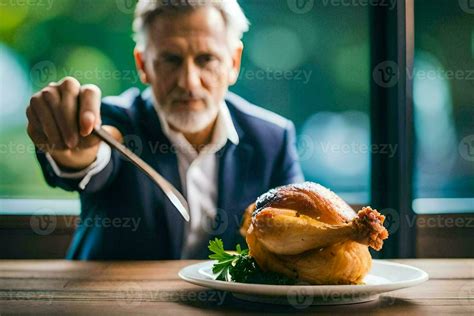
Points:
(443, 81)
(309, 61)
(42, 42)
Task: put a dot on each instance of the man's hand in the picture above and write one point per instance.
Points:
(61, 118)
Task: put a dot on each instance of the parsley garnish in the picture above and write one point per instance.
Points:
(241, 267)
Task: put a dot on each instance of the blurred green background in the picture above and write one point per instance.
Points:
(308, 61)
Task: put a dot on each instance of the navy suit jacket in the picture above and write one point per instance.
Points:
(120, 195)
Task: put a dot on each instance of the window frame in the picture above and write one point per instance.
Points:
(392, 123)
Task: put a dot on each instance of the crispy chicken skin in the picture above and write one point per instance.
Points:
(307, 232)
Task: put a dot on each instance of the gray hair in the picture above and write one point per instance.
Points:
(147, 10)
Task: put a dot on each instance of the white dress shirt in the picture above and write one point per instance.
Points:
(198, 173)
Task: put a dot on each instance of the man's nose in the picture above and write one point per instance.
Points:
(189, 76)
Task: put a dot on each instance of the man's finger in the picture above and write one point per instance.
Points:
(65, 110)
(46, 120)
(93, 140)
(34, 131)
(52, 98)
(89, 109)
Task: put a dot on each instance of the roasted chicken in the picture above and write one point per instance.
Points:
(307, 232)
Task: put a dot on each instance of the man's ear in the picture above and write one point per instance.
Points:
(140, 64)
(236, 60)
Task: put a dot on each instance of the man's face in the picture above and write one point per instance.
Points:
(189, 65)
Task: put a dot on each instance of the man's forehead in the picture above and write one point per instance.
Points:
(194, 44)
(201, 22)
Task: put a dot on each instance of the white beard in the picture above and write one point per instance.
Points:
(192, 121)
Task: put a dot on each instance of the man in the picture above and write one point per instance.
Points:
(217, 149)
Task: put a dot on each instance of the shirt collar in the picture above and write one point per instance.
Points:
(224, 129)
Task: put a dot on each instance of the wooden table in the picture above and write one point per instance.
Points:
(153, 287)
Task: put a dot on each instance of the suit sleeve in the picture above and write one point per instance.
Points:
(103, 158)
(287, 168)
(95, 183)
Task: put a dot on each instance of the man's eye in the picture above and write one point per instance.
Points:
(172, 59)
(204, 59)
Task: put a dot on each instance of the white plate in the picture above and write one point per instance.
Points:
(383, 277)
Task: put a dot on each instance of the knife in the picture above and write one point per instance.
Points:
(170, 191)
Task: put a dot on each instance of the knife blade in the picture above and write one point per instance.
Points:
(175, 197)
